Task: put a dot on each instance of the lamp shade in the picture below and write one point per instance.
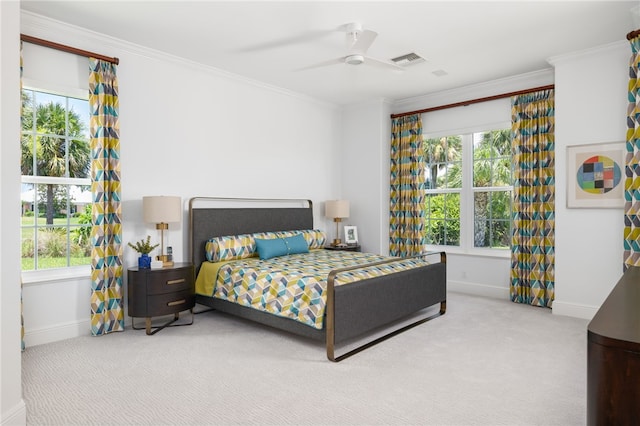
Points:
(162, 209)
(336, 208)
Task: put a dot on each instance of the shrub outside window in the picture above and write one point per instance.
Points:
(444, 187)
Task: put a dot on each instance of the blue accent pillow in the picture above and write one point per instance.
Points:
(281, 246)
(297, 244)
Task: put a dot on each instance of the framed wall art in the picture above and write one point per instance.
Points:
(351, 235)
(595, 175)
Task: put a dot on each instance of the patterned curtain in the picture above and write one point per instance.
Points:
(632, 163)
(406, 235)
(107, 313)
(533, 236)
(22, 345)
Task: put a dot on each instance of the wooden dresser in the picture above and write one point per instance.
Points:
(613, 356)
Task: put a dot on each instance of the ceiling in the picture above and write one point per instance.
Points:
(463, 43)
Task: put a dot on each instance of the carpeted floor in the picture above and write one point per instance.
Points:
(485, 362)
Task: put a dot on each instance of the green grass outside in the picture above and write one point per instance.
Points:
(30, 220)
(48, 262)
(53, 262)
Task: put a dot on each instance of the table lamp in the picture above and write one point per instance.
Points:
(162, 210)
(337, 210)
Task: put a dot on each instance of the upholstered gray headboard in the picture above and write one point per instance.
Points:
(215, 217)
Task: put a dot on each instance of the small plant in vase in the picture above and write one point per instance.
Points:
(144, 247)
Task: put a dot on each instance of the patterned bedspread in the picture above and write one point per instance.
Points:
(290, 286)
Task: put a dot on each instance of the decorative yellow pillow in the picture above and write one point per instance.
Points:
(231, 247)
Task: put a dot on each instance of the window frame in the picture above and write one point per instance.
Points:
(467, 192)
(69, 271)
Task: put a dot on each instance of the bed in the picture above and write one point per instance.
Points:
(350, 310)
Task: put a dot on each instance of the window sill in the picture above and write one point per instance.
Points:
(58, 274)
(492, 253)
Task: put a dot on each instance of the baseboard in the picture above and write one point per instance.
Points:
(478, 289)
(17, 415)
(559, 308)
(56, 332)
(574, 310)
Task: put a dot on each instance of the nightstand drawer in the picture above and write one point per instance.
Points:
(348, 247)
(163, 304)
(171, 281)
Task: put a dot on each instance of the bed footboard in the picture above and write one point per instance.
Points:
(359, 307)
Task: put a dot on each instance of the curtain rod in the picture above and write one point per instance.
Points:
(474, 101)
(68, 49)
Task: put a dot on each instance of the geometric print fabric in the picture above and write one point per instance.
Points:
(632, 163)
(533, 216)
(407, 187)
(22, 344)
(107, 312)
(230, 247)
(292, 286)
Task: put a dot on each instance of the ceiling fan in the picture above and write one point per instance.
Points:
(359, 41)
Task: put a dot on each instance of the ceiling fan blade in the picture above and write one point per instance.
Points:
(287, 41)
(381, 64)
(364, 40)
(334, 61)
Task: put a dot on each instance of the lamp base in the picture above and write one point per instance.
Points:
(337, 239)
(165, 260)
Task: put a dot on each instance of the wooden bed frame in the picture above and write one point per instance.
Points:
(351, 310)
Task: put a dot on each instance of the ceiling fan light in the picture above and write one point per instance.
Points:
(354, 59)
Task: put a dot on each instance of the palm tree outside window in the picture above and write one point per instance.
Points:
(56, 192)
(469, 190)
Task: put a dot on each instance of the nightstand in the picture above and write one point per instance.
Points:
(158, 292)
(348, 247)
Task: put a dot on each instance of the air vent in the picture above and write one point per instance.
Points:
(408, 59)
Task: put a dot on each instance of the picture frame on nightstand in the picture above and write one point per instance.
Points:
(351, 234)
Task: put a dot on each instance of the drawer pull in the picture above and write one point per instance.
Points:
(170, 282)
(177, 302)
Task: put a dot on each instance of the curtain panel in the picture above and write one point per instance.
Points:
(407, 211)
(107, 310)
(533, 214)
(22, 345)
(632, 163)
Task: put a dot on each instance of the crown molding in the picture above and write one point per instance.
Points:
(460, 94)
(598, 50)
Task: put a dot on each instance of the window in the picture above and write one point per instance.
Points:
(55, 183)
(444, 187)
(469, 190)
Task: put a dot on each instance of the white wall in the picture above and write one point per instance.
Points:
(365, 183)
(189, 130)
(591, 107)
(12, 407)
